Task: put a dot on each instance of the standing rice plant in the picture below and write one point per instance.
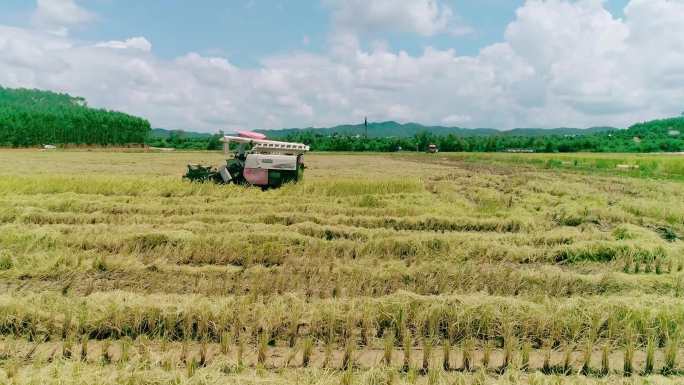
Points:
(67, 348)
(388, 347)
(434, 377)
(671, 350)
(184, 352)
(307, 349)
(191, 367)
(586, 357)
(66, 326)
(84, 348)
(170, 323)
(366, 325)
(349, 326)
(525, 356)
(203, 352)
(390, 377)
(510, 346)
(347, 377)
(446, 354)
(329, 347)
(546, 366)
(400, 326)
(628, 366)
(293, 332)
(167, 362)
(486, 354)
(11, 370)
(50, 328)
(105, 355)
(468, 352)
(188, 326)
(649, 267)
(412, 376)
(649, 365)
(329, 342)
(240, 353)
(605, 360)
(224, 342)
(143, 353)
(427, 355)
(407, 345)
(262, 347)
(125, 349)
(567, 360)
(348, 358)
(480, 378)
(291, 356)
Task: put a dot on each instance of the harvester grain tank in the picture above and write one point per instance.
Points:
(257, 161)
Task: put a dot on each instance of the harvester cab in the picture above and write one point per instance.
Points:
(256, 161)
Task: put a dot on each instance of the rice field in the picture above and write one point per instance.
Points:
(376, 269)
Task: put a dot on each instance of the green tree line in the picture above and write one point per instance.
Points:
(32, 117)
(665, 135)
(656, 136)
(181, 140)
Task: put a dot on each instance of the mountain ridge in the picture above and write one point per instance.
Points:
(394, 129)
(390, 129)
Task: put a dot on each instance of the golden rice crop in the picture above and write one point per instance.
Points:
(507, 268)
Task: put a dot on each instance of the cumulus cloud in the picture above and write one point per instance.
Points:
(559, 63)
(57, 16)
(424, 17)
(138, 43)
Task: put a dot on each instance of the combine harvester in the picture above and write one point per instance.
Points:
(257, 162)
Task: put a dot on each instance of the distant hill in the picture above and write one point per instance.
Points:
(665, 135)
(34, 117)
(399, 130)
(162, 133)
(661, 128)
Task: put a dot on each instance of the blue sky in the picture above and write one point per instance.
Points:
(211, 65)
(245, 31)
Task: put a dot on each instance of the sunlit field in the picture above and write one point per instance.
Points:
(376, 269)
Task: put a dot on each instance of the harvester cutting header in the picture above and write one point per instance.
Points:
(257, 161)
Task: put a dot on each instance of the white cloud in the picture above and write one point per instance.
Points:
(560, 63)
(57, 16)
(138, 43)
(424, 17)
